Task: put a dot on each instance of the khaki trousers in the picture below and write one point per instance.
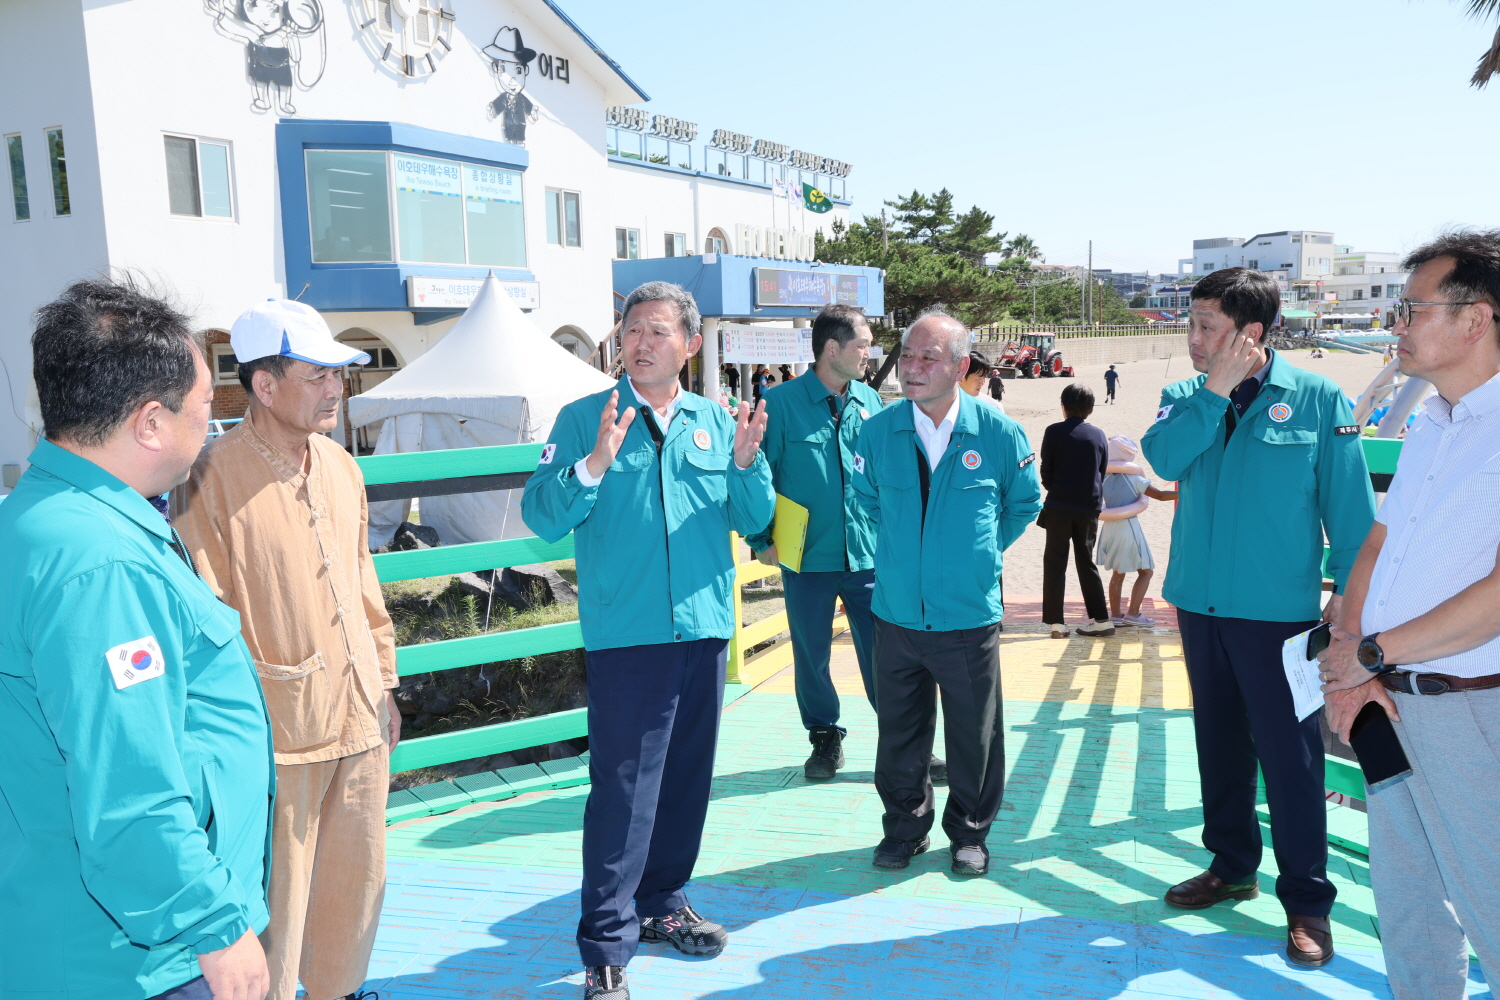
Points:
(327, 874)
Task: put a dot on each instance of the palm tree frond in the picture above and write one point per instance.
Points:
(1489, 63)
(1483, 8)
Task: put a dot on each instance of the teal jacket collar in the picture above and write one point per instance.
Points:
(967, 421)
(89, 478)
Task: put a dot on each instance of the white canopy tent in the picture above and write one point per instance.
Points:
(493, 379)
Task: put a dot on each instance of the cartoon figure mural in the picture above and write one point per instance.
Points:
(284, 44)
(511, 65)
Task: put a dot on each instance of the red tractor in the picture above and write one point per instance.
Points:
(1035, 355)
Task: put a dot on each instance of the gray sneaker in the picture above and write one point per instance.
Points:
(605, 982)
(686, 931)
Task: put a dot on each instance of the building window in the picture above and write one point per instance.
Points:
(19, 199)
(628, 244)
(1374, 291)
(1358, 293)
(1323, 264)
(225, 365)
(60, 202)
(442, 211)
(1394, 291)
(676, 245)
(198, 178)
(1255, 265)
(562, 218)
(381, 359)
(349, 206)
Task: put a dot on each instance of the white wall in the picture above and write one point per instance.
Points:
(42, 86)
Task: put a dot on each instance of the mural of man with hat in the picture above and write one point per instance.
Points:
(511, 65)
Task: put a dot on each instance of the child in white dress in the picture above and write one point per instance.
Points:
(1122, 544)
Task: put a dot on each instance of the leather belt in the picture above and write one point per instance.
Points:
(1413, 682)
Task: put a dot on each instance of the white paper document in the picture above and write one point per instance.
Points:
(1302, 676)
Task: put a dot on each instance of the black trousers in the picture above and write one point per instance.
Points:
(910, 667)
(653, 726)
(1077, 528)
(1243, 716)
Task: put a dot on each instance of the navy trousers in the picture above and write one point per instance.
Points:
(1243, 716)
(193, 989)
(653, 726)
(810, 601)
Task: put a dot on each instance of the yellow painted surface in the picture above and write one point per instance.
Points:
(1134, 667)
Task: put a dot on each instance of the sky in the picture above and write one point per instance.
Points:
(1140, 126)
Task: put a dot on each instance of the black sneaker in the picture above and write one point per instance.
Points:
(605, 982)
(686, 931)
(970, 858)
(937, 769)
(363, 995)
(827, 753)
(893, 853)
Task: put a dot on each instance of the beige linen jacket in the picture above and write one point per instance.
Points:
(288, 550)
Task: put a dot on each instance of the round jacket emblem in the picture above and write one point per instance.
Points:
(864, 414)
(1280, 413)
(971, 460)
(701, 439)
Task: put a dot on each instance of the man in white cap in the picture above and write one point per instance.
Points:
(274, 515)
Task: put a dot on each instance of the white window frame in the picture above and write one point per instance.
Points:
(217, 351)
(198, 141)
(557, 213)
(680, 241)
(628, 233)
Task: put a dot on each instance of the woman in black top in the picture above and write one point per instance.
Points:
(1074, 456)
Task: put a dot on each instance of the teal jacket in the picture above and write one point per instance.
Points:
(1247, 538)
(813, 464)
(652, 539)
(135, 776)
(942, 573)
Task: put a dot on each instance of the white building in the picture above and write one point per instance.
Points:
(1291, 255)
(373, 158)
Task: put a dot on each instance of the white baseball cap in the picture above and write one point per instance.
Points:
(292, 330)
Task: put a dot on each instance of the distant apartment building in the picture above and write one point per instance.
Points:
(1290, 255)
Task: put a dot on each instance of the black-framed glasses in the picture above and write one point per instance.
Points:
(1403, 308)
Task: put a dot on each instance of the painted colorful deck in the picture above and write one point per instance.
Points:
(1101, 816)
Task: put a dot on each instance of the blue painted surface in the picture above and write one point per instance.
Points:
(726, 287)
(366, 287)
(476, 930)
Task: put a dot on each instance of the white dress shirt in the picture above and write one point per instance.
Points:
(1442, 519)
(935, 436)
(581, 468)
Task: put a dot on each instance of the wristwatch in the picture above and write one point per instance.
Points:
(1372, 656)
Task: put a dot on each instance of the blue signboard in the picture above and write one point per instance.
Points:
(778, 287)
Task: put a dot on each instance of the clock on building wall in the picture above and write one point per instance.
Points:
(408, 36)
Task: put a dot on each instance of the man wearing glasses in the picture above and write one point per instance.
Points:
(274, 516)
(1419, 633)
(1269, 461)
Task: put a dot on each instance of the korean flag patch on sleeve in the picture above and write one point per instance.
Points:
(859, 463)
(547, 454)
(1163, 413)
(135, 661)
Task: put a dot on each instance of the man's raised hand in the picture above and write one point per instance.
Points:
(1234, 359)
(748, 432)
(611, 436)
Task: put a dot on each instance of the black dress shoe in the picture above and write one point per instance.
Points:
(970, 858)
(893, 853)
(1202, 891)
(827, 753)
(1309, 941)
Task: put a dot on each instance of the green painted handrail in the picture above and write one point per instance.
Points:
(451, 463)
(1340, 775)
(429, 751)
(469, 557)
(1381, 454)
(492, 647)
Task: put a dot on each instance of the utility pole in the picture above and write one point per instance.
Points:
(885, 239)
(1091, 281)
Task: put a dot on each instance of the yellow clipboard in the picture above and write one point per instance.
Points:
(789, 532)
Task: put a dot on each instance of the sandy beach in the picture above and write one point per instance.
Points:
(1035, 404)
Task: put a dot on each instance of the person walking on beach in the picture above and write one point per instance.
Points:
(1110, 378)
(1268, 461)
(1074, 455)
(1122, 543)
